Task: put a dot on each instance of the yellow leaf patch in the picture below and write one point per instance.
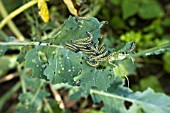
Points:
(70, 7)
(43, 10)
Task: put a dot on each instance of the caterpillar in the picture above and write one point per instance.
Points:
(99, 56)
(84, 40)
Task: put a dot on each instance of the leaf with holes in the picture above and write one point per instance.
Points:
(91, 77)
(63, 66)
(147, 102)
(77, 27)
(34, 62)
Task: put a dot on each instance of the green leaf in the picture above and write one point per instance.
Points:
(3, 49)
(118, 88)
(34, 62)
(146, 82)
(150, 9)
(21, 56)
(146, 102)
(124, 68)
(76, 28)
(75, 93)
(31, 102)
(63, 66)
(149, 102)
(118, 23)
(129, 8)
(60, 65)
(95, 78)
(111, 104)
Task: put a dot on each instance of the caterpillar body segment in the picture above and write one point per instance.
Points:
(84, 40)
(102, 49)
(99, 56)
(71, 47)
(92, 63)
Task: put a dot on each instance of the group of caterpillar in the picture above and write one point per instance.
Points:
(98, 54)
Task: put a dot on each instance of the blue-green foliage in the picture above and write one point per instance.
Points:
(76, 28)
(61, 65)
(30, 101)
(147, 102)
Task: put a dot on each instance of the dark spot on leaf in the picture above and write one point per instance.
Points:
(101, 67)
(127, 104)
(94, 87)
(105, 22)
(40, 42)
(83, 57)
(81, 62)
(76, 51)
(91, 70)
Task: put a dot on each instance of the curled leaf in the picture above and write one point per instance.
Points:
(43, 10)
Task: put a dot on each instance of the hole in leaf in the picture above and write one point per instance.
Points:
(127, 104)
(81, 62)
(84, 57)
(94, 87)
(101, 67)
(78, 82)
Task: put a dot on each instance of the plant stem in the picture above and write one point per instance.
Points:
(110, 95)
(28, 44)
(16, 12)
(22, 73)
(11, 24)
(48, 105)
(153, 50)
(37, 92)
(133, 100)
